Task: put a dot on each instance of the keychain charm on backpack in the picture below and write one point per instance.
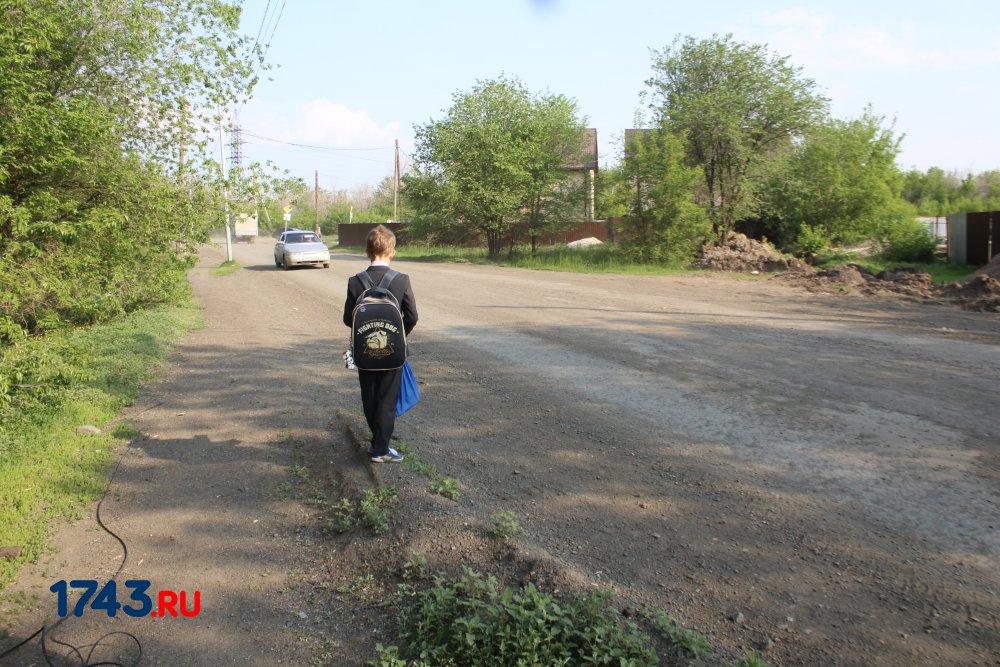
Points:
(349, 360)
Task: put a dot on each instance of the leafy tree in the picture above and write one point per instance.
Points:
(612, 192)
(736, 104)
(382, 206)
(932, 192)
(937, 192)
(988, 188)
(556, 199)
(498, 150)
(360, 205)
(107, 106)
(663, 222)
(556, 209)
(840, 184)
(430, 211)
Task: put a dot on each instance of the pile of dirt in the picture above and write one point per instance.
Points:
(982, 293)
(742, 254)
(851, 275)
(903, 280)
(992, 269)
(899, 280)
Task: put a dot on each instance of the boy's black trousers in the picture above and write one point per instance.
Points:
(379, 390)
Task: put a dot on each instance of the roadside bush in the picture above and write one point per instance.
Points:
(811, 241)
(95, 276)
(675, 240)
(468, 621)
(908, 241)
(35, 377)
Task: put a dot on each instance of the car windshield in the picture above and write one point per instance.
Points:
(301, 238)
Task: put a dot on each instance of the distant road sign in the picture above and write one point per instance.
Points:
(288, 209)
(288, 216)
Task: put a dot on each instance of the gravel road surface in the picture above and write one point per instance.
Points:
(815, 476)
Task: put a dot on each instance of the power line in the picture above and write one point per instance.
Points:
(270, 39)
(263, 20)
(320, 148)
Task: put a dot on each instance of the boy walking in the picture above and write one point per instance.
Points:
(380, 388)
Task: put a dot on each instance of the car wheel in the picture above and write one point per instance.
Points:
(326, 265)
(284, 263)
(277, 263)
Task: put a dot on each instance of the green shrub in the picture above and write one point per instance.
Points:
(908, 241)
(811, 240)
(468, 621)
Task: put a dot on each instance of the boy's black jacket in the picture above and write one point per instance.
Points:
(400, 288)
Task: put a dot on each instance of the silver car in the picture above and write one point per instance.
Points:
(300, 247)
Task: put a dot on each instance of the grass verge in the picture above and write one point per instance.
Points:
(941, 272)
(50, 386)
(607, 259)
(595, 259)
(225, 269)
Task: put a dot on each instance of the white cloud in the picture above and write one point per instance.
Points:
(819, 40)
(330, 122)
(326, 123)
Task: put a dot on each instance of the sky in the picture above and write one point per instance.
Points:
(352, 78)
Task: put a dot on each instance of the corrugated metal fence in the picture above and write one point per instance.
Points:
(974, 238)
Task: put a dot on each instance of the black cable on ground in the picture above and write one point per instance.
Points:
(46, 630)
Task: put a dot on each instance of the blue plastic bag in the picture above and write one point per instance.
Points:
(409, 392)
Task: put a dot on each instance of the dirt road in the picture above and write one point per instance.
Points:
(813, 476)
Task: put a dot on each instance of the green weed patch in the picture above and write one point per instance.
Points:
(445, 487)
(50, 386)
(225, 269)
(469, 621)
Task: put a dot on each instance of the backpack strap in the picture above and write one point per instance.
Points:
(389, 276)
(368, 283)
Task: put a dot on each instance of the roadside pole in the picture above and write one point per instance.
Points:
(397, 200)
(225, 197)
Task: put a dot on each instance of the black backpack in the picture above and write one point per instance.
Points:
(378, 339)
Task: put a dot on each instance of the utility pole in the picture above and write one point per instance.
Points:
(225, 197)
(180, 166)
(395, 186)
(316, 203)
